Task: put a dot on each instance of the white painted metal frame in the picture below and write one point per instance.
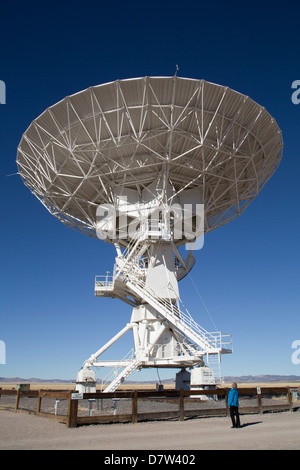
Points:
(124, 133)
(189, 343)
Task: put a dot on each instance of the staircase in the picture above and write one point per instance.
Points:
(182, 321)
(122, 376)
(132, 262)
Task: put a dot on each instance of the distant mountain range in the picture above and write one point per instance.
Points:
(263, 378)
(241, 379)
(21, 380)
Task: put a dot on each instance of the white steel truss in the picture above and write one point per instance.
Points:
(122, 134)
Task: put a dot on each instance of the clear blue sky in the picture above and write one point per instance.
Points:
(248, 271)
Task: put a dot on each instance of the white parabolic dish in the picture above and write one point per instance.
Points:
(122, 135)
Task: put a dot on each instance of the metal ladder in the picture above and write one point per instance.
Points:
(213, 362)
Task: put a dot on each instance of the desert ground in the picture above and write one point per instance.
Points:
(271, 431)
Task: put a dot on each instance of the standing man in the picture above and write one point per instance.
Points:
(233, 403)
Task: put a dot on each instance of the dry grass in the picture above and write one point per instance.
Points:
(71, 386)
(41, 386)
(264, 384)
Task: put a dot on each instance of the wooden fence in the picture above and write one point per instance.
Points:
(179, 398)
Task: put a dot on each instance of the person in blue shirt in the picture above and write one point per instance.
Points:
(233, 403)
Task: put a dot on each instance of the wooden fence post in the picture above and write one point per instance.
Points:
(39, 403)
(134, 407)
(72, 412)
(17, 399)
(290, 398)
(181, 405)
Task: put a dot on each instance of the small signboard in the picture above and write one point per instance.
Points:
(77, 396)
(258, 391)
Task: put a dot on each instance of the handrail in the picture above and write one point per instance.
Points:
(104, 281)
(131, 243)
(211, 340)
(115, 370)
(133, 364)
(215, 340)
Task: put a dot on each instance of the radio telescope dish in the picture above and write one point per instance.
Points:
(147, 147)
(96, 144)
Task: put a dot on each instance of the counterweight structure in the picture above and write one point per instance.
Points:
(151, 164)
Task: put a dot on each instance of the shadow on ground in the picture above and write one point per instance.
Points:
(250, 424)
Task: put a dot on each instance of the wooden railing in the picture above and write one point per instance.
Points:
(178, 398)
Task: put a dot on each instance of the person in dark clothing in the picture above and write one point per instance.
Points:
(233, 403)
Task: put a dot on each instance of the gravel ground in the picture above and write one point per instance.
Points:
(123, 405)
(268, 431)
